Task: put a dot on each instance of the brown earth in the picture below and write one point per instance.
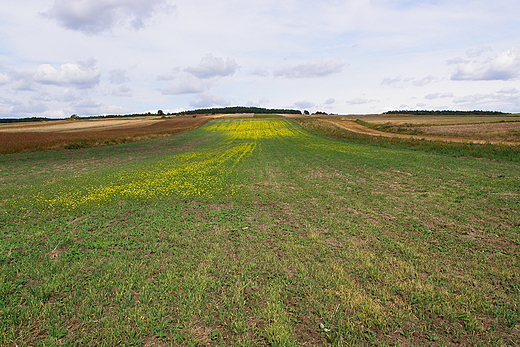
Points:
(89, 133)
(358, 128)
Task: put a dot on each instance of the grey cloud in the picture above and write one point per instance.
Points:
(81, 75)
(211, 66)
(330, 101)
(118, 76)
(505, 66)
(23, 85)
(439, 96)
(390, 81)
(311, 69)
(424, 81)
(96, 16)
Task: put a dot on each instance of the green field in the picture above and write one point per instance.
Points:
(255, 232)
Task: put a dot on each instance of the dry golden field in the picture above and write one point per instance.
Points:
(396, 119)
(474, 129)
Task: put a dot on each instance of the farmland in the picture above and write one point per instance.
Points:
(256, 232)
(73, 134)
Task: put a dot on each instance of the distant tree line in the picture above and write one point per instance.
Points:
(22, 120)
(240, 109)
(222, 110)
(447, 112)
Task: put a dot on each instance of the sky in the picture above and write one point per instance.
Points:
(96, 57)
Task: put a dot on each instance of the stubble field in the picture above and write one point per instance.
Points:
(256, 232)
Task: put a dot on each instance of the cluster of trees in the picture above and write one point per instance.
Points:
(447, 112)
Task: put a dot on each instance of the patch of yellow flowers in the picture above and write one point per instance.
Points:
(200, 174)
(203, 174)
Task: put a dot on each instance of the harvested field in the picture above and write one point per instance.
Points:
(358, 128)
(430, 120)
(89, 133)
(472, 128)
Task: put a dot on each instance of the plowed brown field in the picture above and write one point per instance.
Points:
(67, 133)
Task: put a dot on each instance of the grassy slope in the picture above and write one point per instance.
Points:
(380, 245)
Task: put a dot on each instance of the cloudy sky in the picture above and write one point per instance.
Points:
(89, 57)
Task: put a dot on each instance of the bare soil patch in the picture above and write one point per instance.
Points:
(358, 128)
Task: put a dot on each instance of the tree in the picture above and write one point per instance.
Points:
(306, 112)
(160, 112)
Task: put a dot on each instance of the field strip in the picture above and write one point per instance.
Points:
(361, 129)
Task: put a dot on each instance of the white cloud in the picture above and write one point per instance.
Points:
(22, 80)
(93, 107)
(434, 96)
(187, 84)
(505, 66)
(475, 98)
(401, 81)
(118, 76)
(509, 90)
(211, 66)
(208, 100)
(30, 108)
(259, 71)
(4, 79)
(96, 16)
(360, 101)
(311, 69)
(123, 91)
(263, 101)
(472, 53)
(81, 75)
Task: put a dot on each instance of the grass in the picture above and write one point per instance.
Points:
(487, 151)
(258, 233)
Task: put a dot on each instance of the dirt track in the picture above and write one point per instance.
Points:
(361, 129)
